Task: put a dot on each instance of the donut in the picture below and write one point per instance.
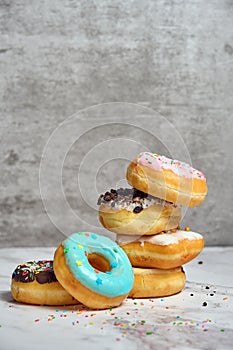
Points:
(152, 283)
(162, 251)
(133, 212)
(34, 282)
(168, 179)
(94, 269)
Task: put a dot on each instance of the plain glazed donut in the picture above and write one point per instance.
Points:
(34, 282)
(132, 212)
(94, 269)
(162, 251)
(152, 283)
(169, 179)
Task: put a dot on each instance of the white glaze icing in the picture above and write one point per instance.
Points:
(160, 239)
(146, 203)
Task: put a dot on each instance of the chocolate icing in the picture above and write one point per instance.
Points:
(41, 271)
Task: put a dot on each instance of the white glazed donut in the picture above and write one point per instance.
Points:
(162, 251)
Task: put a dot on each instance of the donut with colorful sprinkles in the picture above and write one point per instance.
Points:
(34, 282)
(168, 179)
(94, 270)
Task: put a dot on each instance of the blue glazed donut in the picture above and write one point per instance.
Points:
(86, 282)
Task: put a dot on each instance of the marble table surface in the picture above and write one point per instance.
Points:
(200, 317)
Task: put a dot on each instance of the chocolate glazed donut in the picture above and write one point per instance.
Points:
(41, 271)
(34, 282)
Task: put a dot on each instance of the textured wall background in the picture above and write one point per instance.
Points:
(57, 57)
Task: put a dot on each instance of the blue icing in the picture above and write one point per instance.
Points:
(112, 283)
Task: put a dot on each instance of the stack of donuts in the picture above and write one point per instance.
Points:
(97, 271)
(146, 219)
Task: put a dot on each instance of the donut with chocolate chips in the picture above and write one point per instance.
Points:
(133, 212)
(34, 282)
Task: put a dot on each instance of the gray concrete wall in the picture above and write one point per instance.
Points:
(57, 57)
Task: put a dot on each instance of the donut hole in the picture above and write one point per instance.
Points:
(99, 262)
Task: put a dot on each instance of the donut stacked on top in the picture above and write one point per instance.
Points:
(133, 212)
(166, 178)
(146, 219)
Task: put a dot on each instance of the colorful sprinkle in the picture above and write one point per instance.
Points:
(99, 281)
(113, 265)
(157, 162)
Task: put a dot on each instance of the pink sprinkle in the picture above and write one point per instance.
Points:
(37, 320)
(118, 339)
